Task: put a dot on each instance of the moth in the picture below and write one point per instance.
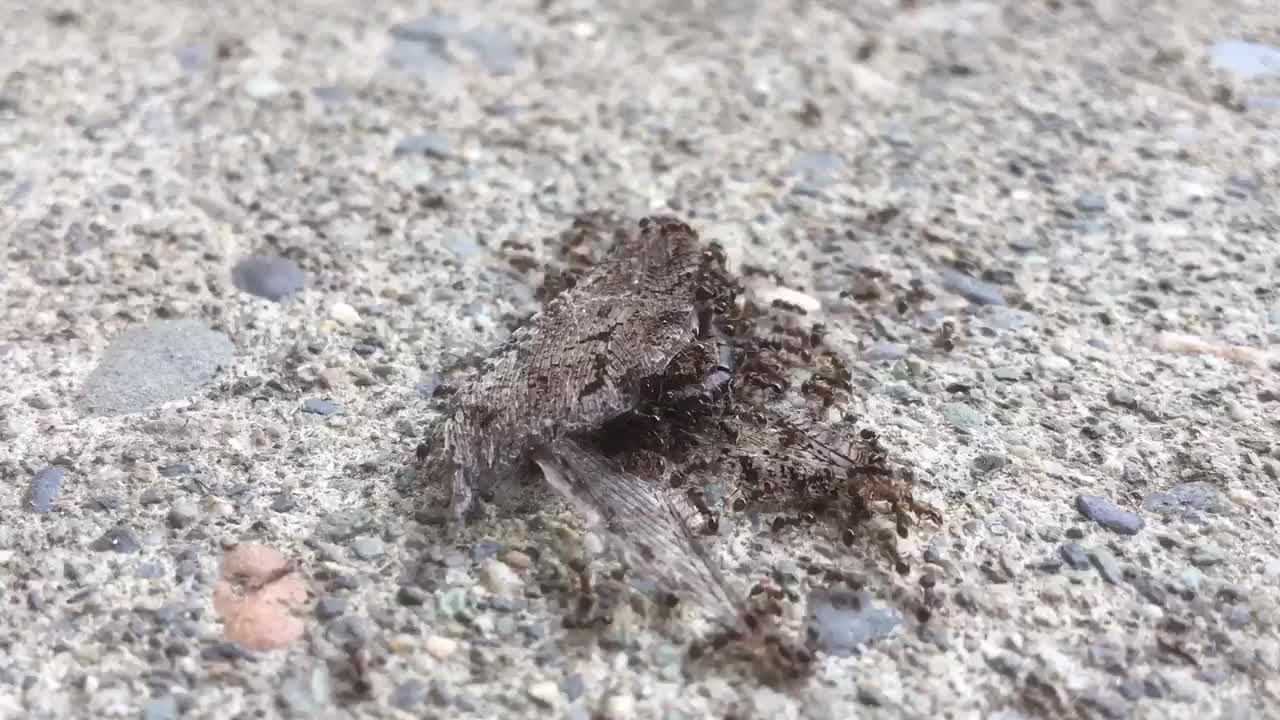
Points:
(646, 373)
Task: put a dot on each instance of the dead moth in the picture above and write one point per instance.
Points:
(596, 351)
(644, 371)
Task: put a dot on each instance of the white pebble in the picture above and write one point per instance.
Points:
(344, 314)
(804, 301)
(440, 647)
(499, 578)
(545, 692)
(619, 707)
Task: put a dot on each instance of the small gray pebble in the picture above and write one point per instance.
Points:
(283, 502)
(494, 47)
(431, 144)
(1198, 495)
(961, 416)
(349, 628)
(159, 362)
(1207, 555)
(366, 547)
(317, 406)
(330, 607)
(176, 470)
(1106, 565)
(1148, 588)
(411, 596)
(901, 392)
(990, 462)
(409, 694)
(572, 685)
(1104, 703)
(222, 650)
(183, 513)
(441, 693)
(485, 549)
(1074, 555)
(1006, 374)
(1237, 616)
(817, 170)
(1122, 397)
(1108, 514)
(268, 276)
(872, 697)
(151, 496)
(45, 487)
(1212, 676)
(161, 708)
(842, 622)
(972, 289)
(121, 540)
(884, 351)
(1005, 663)
(1132, 689)
(1091, 202)
(343, 525)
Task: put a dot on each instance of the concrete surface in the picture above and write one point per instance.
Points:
(1086, 190)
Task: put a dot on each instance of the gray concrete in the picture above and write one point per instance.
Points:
(1087, 193)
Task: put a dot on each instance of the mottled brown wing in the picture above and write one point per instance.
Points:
(580, 362)
(654, 525)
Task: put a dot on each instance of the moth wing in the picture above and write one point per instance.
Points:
(652, 525)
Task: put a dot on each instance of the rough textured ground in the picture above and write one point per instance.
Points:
(240, 243)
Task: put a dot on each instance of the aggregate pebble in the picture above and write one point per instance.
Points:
(269, 276)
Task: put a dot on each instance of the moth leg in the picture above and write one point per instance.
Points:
(586, 613)
(710, 518)
(700, 374)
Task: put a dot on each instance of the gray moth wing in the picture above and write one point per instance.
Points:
(653, 524)
(589, 356)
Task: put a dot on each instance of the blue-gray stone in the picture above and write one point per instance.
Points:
(1108, 514)
(408, 695)
(1074, 555)
(843, 622)
(572, 685)
(434, 28)
(121, 540)
(194, 57)
(972, 289)
(268, 276)
(429, 143)
(368, 548)
(1006, 318)
(45, 487)
(161, 708)
(333, 94)
(1245, 59)
(330, 607)
(176, 469)
(1091, 202)
(319, 406)
(884, 351)
(494, 47)
(162, 361)
(817, 169)
(1198, 495)
(961, 416)
(421, 59)
(989, 462)
(1106, 565)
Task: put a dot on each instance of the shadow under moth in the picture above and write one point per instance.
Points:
(648, 375)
